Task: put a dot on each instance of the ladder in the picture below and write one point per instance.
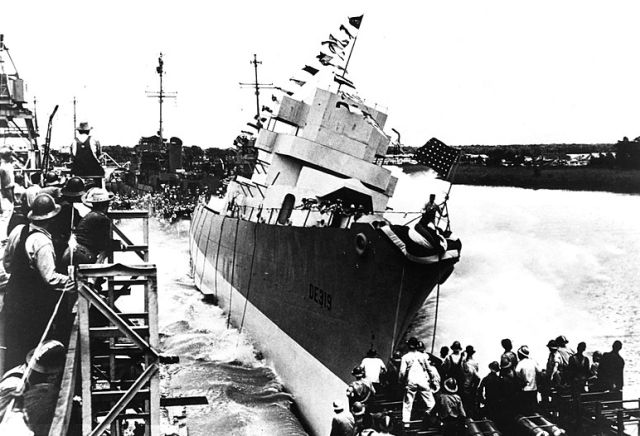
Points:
(119, 361)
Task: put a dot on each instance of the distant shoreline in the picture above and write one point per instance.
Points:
(566, 178)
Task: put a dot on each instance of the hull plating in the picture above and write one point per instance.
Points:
(314, 303)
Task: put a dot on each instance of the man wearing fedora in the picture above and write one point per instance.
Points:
(450, 409)
(68, 218)
(34, 285)
(93, 232)
(527, 372)
(85, 151)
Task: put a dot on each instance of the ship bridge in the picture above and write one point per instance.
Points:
(314, 150)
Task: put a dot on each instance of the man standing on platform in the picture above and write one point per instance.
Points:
(420, 378)
(611, 370)
(7, 182)
(31, 291)
(85, 151)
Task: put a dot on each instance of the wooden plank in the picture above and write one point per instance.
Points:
(85, 364)
(115, 394)
(62, 414)
(116, 269)
(128, 214)
(135, 247)
(184, 401)
(131, 282)
(114, 332)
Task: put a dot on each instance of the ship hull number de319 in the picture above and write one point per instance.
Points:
(320, 297)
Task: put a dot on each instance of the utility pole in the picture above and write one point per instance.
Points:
(161, 95)
(74, 116)
(257, 85)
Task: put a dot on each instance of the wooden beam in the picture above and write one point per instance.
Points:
(62, 414)
(85, 365)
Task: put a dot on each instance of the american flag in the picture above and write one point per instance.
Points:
(438, 156)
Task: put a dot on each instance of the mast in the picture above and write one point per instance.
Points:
(257, 85)
(161, 95)
(74, 116)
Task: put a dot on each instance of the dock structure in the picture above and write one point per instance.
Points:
(601, 413)
(113, 359)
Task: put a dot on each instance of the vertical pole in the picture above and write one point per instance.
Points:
(112, 341)
(74, 116)
(639, 420)
(160, 71)
(620, 422)
(255, 67)
(85, 365)
(145, 236)
(151, 290)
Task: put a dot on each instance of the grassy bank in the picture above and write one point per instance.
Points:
(569, 178)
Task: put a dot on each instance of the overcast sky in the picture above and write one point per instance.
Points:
(466, 72)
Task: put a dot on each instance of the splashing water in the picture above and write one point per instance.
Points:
(245, 396)
(535, 265)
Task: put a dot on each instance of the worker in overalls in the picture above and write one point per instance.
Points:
(34, 286)
(85, 151)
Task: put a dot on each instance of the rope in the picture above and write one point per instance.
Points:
(395, 321)
(233, 270)
(435, 320)
(215, 279)
(22, 385)
(246, 301)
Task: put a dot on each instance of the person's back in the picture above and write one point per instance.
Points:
(86, 151)
(374, 367)
(361, 389)
(489, 391)
(414, 368)
(343, 423)
(611, 369)
(450, 409)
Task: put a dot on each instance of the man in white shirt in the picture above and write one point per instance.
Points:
(374, 368)
(527, 371)
(419, 377)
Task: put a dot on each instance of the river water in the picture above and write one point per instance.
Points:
(535, 265)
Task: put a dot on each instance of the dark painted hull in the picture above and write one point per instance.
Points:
(313, 285)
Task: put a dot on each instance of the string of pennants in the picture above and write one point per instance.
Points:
(354, 104)
(333, 53)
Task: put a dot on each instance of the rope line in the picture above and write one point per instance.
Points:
(395, 321)
(215, 279)
(435, 320)
(233, 271)
(246, 301)
(22, 384)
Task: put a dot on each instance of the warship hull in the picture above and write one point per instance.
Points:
(313, 299)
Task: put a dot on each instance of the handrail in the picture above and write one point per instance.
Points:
(315, 208)
(246, 213)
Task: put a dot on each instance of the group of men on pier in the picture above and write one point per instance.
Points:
(452, 391)
(50, 224)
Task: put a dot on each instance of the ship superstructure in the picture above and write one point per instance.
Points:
(301, 256)
(321, 150)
